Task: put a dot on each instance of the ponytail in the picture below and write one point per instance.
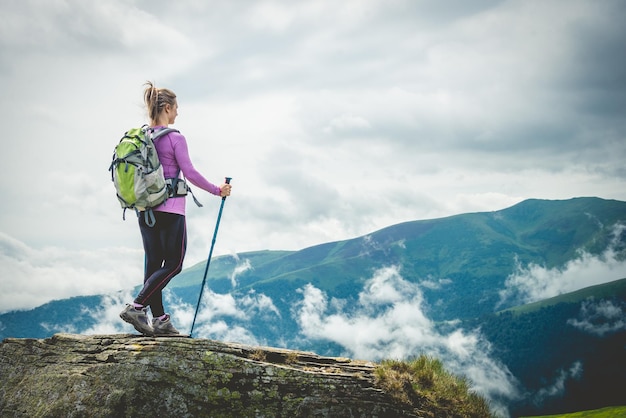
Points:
(156, 99)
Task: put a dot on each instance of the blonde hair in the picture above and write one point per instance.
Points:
(156, 99)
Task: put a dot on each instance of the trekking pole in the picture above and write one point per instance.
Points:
(208, 262)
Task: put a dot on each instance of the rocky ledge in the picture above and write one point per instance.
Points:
(127, 375)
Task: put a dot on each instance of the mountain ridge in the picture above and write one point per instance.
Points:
(614, 288)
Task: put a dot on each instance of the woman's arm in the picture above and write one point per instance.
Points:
(181, 152)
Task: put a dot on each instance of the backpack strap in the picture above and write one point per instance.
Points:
(190, 191)
(194, 197)
(157, 134)
(149, 217)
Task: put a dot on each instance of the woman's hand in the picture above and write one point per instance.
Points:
(225, 190)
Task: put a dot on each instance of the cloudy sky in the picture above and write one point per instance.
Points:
(334, 119)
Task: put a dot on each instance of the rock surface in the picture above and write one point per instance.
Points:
(127, 375)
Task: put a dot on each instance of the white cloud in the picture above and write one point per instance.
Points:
(31, 277)
(241, 267)
(534, 282)
(215, 305)
(388, 321)
(557, 388)
(346, 123)
(600, 317)
(223, 316)
(259, 304)
(107, 315)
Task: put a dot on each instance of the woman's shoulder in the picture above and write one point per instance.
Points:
(175, 135)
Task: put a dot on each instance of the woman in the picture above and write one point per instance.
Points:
(165, 243)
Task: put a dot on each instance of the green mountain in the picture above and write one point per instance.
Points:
(565, 353)
(474, 253)
(576, 339)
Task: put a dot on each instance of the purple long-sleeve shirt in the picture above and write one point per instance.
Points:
(174, 155)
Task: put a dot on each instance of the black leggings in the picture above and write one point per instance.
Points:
(165, 245)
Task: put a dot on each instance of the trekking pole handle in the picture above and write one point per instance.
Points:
(227, 180)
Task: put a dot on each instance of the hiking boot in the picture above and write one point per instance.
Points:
(138, 318)
(163, 327)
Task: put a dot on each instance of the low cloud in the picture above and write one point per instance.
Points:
(388, 321)
(33, 276)
(600, 317)
(225, 316)
(217, 318)
(107, 315)
(534, 282)
(221, 316)
(241, 267)
(557, 388)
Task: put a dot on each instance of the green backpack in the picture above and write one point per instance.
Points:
(137, 172)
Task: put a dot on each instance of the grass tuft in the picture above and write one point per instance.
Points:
(423, 383)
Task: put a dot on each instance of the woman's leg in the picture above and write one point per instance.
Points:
(165, 245)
